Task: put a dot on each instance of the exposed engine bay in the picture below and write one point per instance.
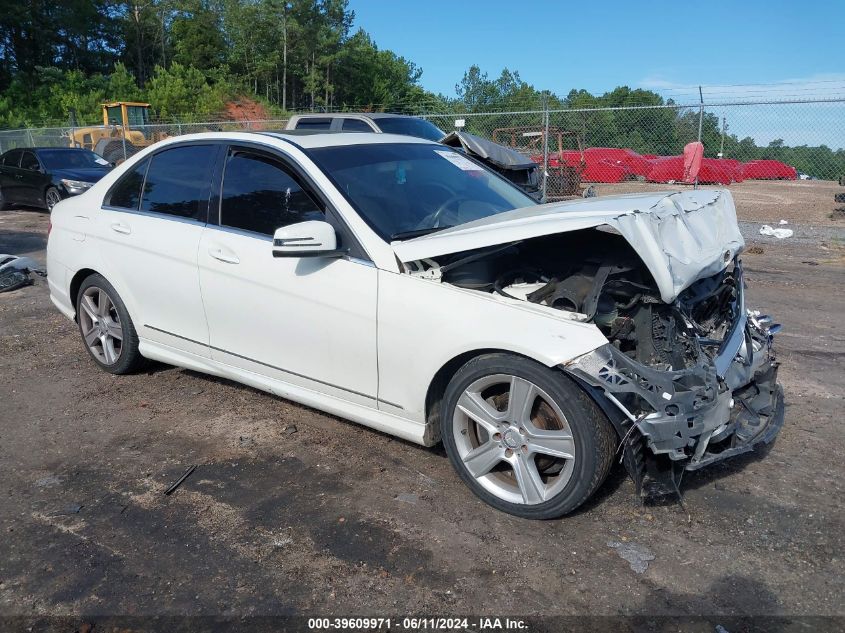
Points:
(686, 383)
(597, 274)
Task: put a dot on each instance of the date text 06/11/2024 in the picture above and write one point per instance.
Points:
(418, 624)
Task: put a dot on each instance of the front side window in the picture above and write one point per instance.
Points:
(30, 162)
(261, 195)
(407, 189)
(356, 125)
(126, 194)
(113, 115)
(409, 126)
(178, 182)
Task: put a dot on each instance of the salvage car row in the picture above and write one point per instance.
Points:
(405, 285)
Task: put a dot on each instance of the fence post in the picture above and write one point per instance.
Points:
(123, 135)
(31, 140)
(700, 121)
(545, 144)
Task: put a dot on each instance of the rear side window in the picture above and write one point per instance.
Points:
(261, 195)
(314, 124)
(178, 182)
(126, 194)
(12, 159)
(356, 125)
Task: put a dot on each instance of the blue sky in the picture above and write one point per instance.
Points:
(598, 45)
(738, 51)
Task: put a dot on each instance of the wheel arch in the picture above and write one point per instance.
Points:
(76, 283)
(437, 386)
(437, 389)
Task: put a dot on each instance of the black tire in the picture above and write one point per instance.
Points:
(51, 198)
(592, 433)
(129, 359)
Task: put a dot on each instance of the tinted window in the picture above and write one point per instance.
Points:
(313, 124)
(72, 158)
(404, 189)
(260, 195)
(13, 158)
(126, 194)
(178, 181)
(29, 161)
(409, 126)
(356, 125)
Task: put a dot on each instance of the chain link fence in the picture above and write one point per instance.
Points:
(783, 140)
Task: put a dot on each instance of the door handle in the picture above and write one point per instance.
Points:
(18, 177)
(120, 227)
(223, 256)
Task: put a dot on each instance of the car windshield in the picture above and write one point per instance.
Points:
(403, 190)
(410, 127)
(72, 159)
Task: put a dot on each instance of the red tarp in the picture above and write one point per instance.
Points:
(611, 165)
(768, 170)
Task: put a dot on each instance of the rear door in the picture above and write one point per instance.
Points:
(10, 178)
(149, 232)
(34, 180)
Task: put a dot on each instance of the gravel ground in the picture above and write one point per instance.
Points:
(291, 511)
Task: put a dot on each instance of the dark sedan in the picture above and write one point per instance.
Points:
(42, 176)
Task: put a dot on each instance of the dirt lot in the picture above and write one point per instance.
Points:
(291, 511)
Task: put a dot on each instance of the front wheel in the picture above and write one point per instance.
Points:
(52, 197)
(525, 438)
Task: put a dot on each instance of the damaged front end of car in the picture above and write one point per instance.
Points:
(722, 401)
(688, 376)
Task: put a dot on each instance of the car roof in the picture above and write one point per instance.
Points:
(315, 139)
(366, 115)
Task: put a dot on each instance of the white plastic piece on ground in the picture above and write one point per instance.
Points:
(778, 233)
(783, 222)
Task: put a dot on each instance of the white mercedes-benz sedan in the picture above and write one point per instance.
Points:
(398, 283)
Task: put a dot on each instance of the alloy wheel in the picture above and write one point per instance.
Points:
(52, 198)
(513, 439)
(100, 325)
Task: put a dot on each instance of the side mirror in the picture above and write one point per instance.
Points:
(306, 239)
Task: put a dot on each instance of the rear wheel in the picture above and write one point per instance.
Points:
(525, 438)
(106, 328)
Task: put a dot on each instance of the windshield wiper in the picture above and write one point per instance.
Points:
(407, 235)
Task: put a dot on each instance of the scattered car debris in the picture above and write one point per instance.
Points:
(48, 481)
(15, 272)
(778, 233)
(638, 556)
(290, 430)
(71, 508)
(408, 497)
(782, 222)
(179, 481)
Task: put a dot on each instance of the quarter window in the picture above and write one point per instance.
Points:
(127, 192)
(261, 195)
(178, 182)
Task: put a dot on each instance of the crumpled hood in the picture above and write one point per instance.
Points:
(681, 236)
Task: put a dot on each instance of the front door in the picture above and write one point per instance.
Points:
(306, 321)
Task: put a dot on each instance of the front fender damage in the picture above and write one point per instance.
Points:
(677, 421)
